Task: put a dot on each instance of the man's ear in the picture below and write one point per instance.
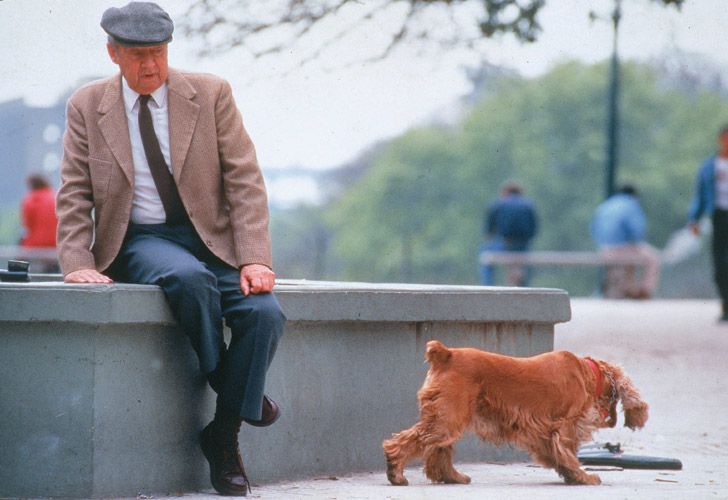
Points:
(112, 52)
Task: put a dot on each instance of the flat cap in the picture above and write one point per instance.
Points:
(138, 24)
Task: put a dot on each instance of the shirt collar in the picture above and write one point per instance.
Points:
(159, 96)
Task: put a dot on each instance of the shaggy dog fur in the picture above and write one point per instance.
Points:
(546, 404)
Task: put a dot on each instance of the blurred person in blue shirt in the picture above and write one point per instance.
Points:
(509, 225)
(618, 228)
(711, 198)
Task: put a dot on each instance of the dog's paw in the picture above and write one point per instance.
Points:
(585, 479)
(592, 480)
(399, 480)
(580, 478)
(458, 478)
(395, 477)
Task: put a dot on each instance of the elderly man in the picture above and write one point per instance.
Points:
(160, 185)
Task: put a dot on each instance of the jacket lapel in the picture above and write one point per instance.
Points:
(111, 109)
(183, 114)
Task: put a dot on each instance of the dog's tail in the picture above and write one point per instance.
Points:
(436, 353)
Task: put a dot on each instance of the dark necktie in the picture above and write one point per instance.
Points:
(163, 179)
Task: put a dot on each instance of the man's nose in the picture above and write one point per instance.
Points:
(148, 61)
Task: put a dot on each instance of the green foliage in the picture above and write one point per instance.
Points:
(10, 227)
(385, 226)
(301, 243)
(416, 215)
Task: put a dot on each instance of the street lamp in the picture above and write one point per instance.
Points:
(612, 150)
(613, 105)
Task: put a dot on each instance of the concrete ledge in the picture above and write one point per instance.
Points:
(101, 394)
(388, 302)
(303, 301)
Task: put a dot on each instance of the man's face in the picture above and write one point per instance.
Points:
(144, 68)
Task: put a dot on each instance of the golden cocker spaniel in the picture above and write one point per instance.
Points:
(546, 404)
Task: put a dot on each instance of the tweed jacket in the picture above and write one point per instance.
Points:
(213, 162)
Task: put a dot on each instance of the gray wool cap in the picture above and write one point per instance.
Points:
(138, 24)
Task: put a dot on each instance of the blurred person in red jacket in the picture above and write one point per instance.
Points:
(38, 212)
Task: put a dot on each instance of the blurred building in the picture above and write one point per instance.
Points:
(30, 141)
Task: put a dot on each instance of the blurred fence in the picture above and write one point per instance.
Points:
(42, 260)
(515, 264)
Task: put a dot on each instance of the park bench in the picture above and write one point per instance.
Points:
(515, 262)
(557, 258)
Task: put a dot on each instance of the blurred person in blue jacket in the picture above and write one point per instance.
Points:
(711, 198)
(509, 225)
(618, 229)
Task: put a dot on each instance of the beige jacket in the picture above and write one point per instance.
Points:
(213, 163)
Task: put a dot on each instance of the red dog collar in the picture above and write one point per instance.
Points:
(597, 375)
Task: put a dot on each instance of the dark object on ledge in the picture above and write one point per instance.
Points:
(611, 454)
(17, 271)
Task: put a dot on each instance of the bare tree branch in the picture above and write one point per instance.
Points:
(224, 25)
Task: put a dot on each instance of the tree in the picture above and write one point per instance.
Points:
(416, 214)
(397, 222)
(223, 25)
(302, 239)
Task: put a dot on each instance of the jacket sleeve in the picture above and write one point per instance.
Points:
(75, 200)
(533, 222)
(243, 184)
(490, 219)
(700, 199)
(26, 215)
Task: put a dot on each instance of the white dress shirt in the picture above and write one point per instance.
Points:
(721, 183)
(147, 207)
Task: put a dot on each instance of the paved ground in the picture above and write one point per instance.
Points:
(676, 354)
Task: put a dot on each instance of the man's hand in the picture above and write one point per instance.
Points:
(87, 276)
(694, 228)
(256, 278)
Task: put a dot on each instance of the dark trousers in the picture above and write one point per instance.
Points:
(517, 275)
(201, 291)
(720, 254)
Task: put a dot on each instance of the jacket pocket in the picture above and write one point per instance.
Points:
(100, 171)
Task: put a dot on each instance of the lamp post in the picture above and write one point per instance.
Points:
(613, 105)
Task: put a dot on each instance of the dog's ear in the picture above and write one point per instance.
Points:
(636, 411)
(436, 353)
(611, 419)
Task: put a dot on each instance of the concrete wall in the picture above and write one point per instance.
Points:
(101, 394)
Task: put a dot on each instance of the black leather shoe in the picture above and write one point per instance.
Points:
(271, 413)
(227, 473)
